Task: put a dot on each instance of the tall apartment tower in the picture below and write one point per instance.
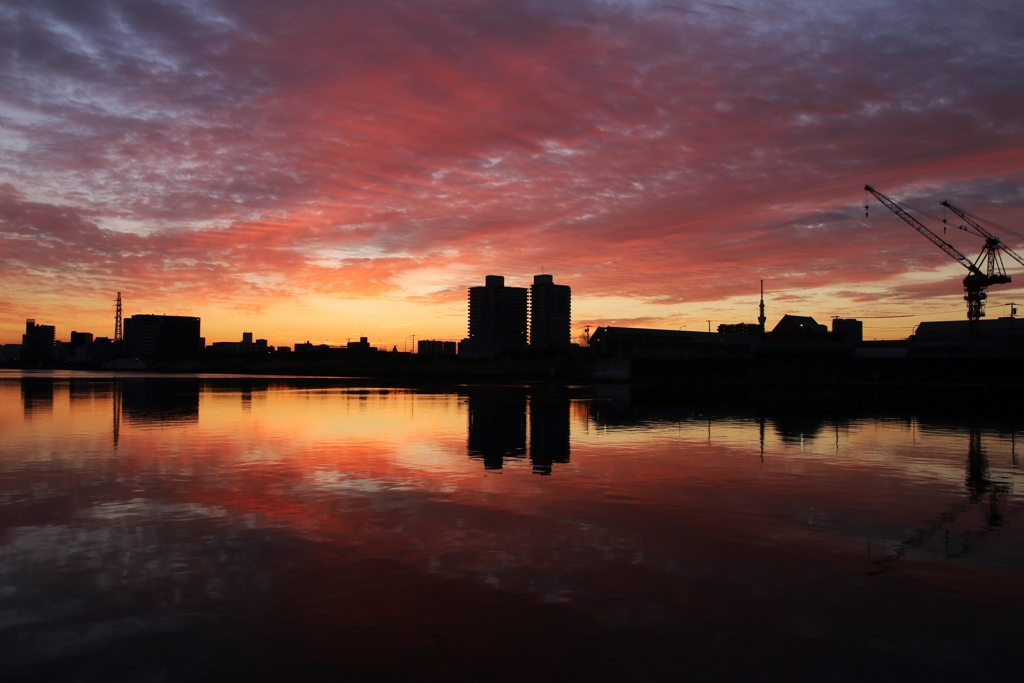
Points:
(497, 318)
(550, 313)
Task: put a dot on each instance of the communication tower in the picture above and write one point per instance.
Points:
(761, 319)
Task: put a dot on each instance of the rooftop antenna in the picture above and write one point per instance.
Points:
(118, 332)
(761, 319)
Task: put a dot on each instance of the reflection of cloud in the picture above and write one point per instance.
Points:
(248, 154)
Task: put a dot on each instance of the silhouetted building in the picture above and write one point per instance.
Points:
(10, 352)
(246, 346)
(550, 313)
(497, 429)
(1001, 336)
(549, 433)
(79, 339)
(740, 328)
(497, 319)
(103, 349)
(641, 342)
(77, 350)
(315, 350)
(362, 346)
(37, 342)
(848, 330)
(162, 337)
(799, 329)
(430, 347)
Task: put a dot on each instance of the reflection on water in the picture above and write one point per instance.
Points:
(36, 396)
(981, 485)
(549, 433)
(497, 427)
(160, 400)
(271, 529)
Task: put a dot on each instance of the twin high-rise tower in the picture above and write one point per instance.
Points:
(498, 319)
(550, 313)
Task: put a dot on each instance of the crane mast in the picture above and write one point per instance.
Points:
(976, 280)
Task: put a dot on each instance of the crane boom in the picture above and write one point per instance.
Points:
(920, 227)
(997, 243)
(976, 281)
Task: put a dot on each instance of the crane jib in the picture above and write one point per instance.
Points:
(993, 243)
(921, 228)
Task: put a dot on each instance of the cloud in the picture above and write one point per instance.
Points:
(241, 151)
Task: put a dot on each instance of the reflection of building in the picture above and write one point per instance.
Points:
(497, 429)
(160, 400)
(36, 395)
(162, 337)
(84, 391)
(549, 433)
(497, 319)
(550, 313)
(37, 342)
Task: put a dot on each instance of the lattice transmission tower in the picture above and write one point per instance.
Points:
(118, 332)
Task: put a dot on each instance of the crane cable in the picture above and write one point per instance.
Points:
(994, 224)
(974, 216)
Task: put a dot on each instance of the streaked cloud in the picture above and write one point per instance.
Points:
(251, 157)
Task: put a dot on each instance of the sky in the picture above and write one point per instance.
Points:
(327, 170)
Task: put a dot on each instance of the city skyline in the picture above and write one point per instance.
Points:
(337, 171)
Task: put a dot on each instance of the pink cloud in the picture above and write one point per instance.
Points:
(235, 153)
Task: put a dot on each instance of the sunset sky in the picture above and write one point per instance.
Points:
(327, 170)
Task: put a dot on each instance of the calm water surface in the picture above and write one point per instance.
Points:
(254, 529)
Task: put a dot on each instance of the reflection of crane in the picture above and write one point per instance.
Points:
(980, 483)
(981, 488)
(116, 400)
(976, 281)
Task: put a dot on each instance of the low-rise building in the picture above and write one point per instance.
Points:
(163, 337)
(37, 343)
(246, 346)
(431, 347)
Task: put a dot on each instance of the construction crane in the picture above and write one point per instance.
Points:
(976, 280)
(993, 245)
